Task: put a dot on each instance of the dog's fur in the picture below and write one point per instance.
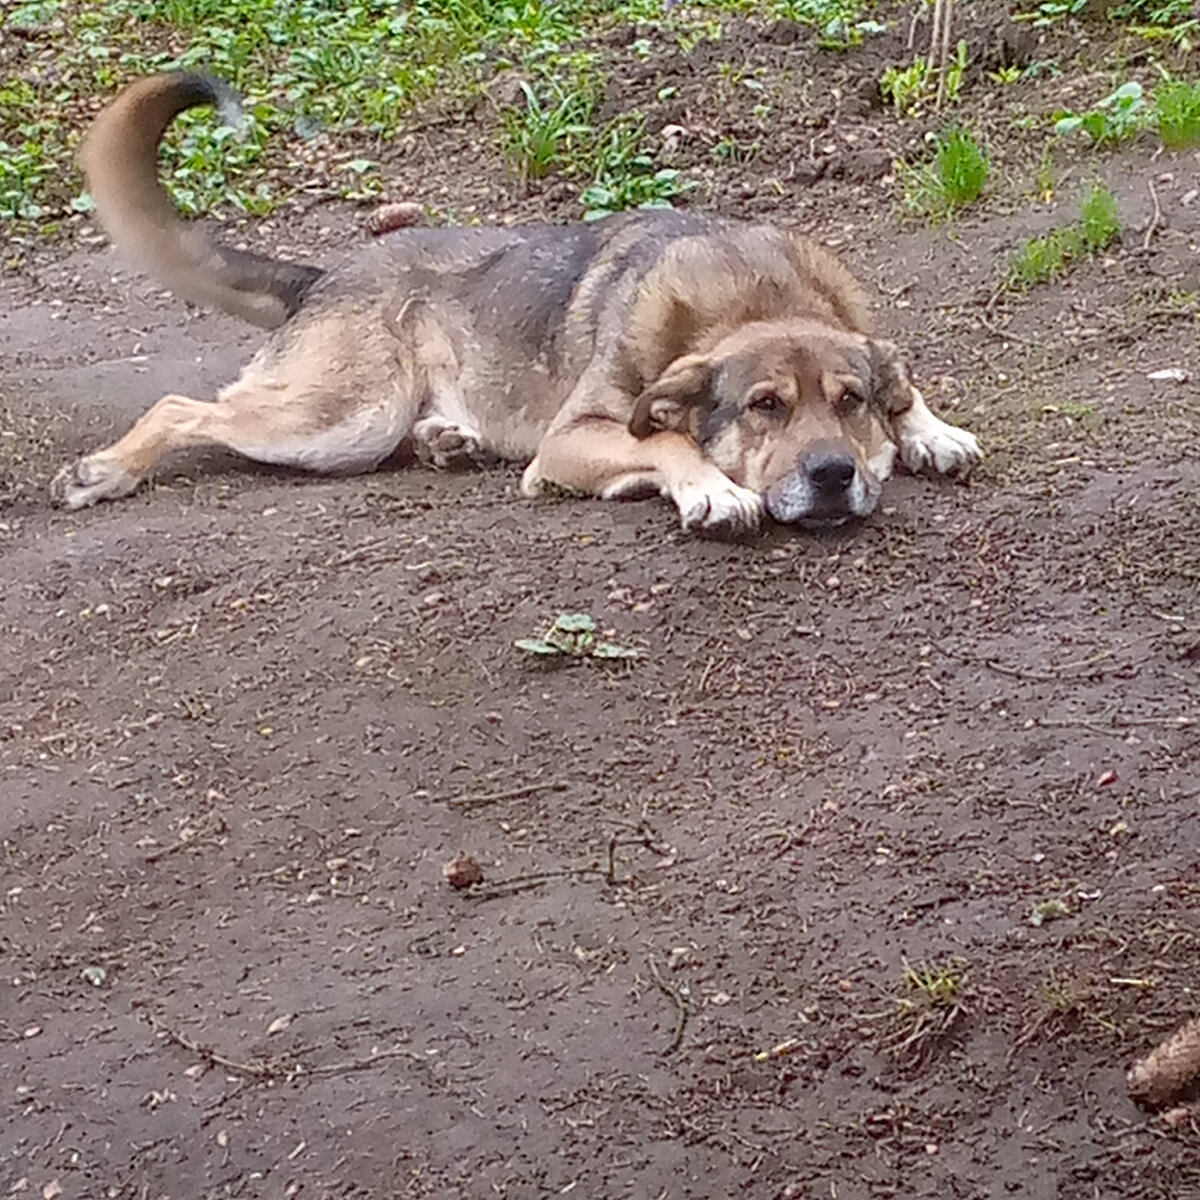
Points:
(728, 366)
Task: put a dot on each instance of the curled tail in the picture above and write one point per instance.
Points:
(120, 162)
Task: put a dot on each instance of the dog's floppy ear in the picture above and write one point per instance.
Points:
(675, 400)
(891, 384)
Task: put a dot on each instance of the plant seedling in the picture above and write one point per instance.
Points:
(573, 635)
(1120, 115)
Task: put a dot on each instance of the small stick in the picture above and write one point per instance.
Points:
(258, 1069)
(1155, 219)
(523, 883)
(676, 999)
(482, 801)
(218, 826)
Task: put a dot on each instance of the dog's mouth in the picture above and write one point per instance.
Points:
(797, 501)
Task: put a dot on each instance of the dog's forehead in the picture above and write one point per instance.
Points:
(802, 356)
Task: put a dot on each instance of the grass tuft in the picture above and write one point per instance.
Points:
(954, 178)
(1043, 259)
(1177, 114)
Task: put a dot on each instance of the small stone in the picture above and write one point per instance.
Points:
(400, 215)
(463, 871)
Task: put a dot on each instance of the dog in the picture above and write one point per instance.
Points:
(728, 366)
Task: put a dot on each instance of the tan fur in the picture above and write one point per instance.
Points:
(727, 366)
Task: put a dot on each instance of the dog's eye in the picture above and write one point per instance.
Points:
(852, 398)
(769, 404)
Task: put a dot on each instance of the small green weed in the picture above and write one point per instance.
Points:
(626, 176)
(1051, 11)
(1007, 75)
(1121, 115)
(931, 985)
(840, 24)
(932, 998)
(1177, 114)
(955, 177)
(573, 635)
(1163, 14)
(1099, 219)
(907, 88)
(544, 135)
(1053, 909)
(1042, 259)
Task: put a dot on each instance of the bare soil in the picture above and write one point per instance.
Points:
(246, 717)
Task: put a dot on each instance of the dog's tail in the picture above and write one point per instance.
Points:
(120, 161)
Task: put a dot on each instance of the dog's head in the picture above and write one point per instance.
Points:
(797, 411)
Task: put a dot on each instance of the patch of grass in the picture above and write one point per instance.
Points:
(546, 134)
(1177, 114)
(907, 88)
(928, 1005)
(626, 176)
(1171, 20)
(931, 985)
(953, 179)
(1099, 218)
(1119, 116)
(341, 77)
(1043, 259)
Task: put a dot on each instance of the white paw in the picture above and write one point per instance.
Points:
(90, 480)
(928, 442)
(718, 505)
(445, 445)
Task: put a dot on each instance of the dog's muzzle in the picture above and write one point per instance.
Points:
(826, 487)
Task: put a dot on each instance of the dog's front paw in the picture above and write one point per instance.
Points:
(927, 442)
(943, 448)
(719, 506)
(90, 480)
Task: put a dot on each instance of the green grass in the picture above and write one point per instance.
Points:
(349, 71)
(907, 89)
(1119, 116)
(1177, 114)
(954, 178)
(547, 134)
(625, 176)
(1043, 259)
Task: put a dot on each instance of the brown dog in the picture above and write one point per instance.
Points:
(728, 366)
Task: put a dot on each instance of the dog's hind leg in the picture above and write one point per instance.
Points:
(296, 410)
(262, 427)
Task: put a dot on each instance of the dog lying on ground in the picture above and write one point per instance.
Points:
(727, 366)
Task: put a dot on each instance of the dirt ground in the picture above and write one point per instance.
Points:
(245, 718)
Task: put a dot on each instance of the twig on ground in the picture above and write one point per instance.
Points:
(675, 996)
(523, 883)
(272, 1069)
(986, 321)
(1155, 219)
(260, 1070)
(363, 1064)
(216, 825)
(516, 793)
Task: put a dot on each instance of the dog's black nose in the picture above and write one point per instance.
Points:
(831, 473)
